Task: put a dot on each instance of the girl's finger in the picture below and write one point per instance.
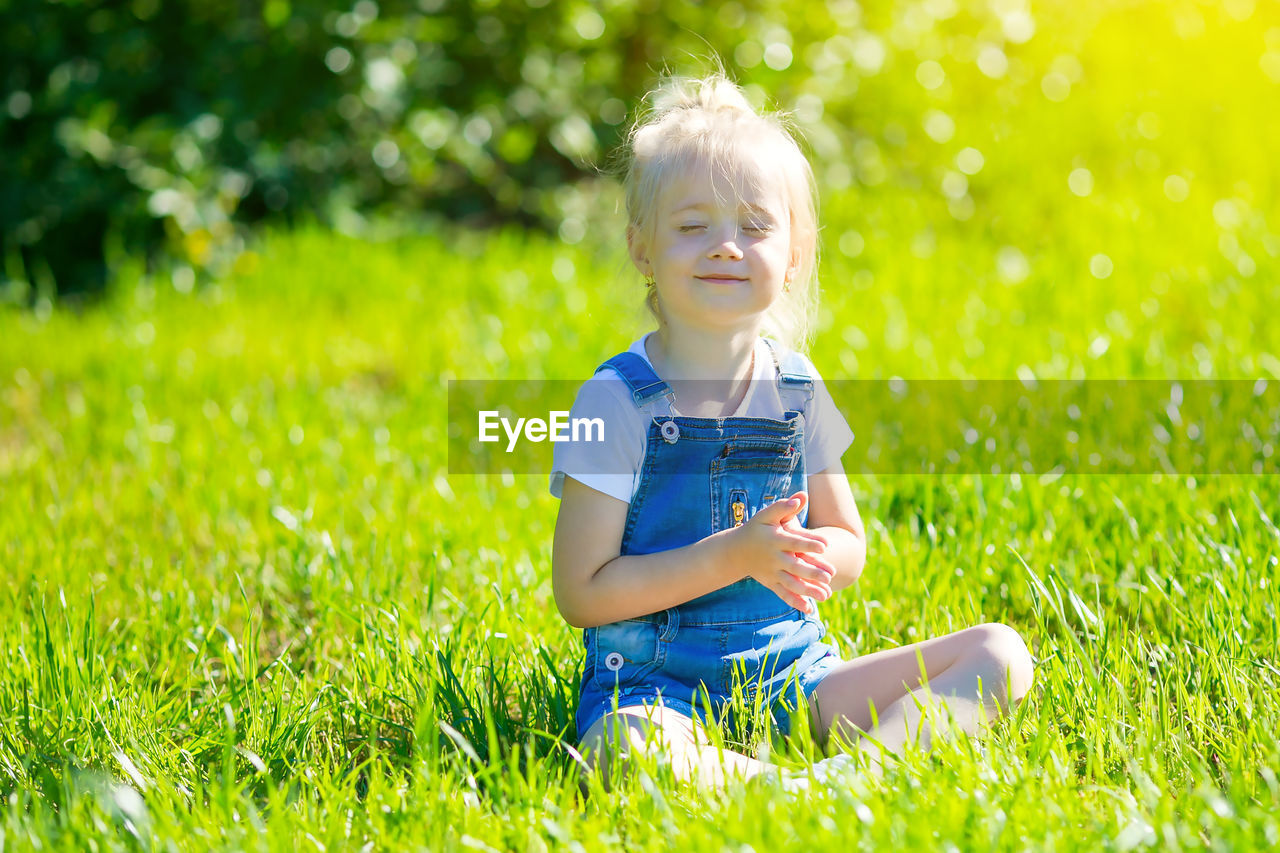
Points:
(803, 542)
(805, 562)
(797, 585)
(811, 535)
(801, 585)
(791, 599)
(779, 511)
(793, 526)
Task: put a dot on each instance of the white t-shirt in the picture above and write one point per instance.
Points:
(613, 465)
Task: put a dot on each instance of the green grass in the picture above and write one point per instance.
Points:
(245, 607)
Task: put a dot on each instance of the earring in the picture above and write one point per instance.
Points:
(648, 281)
(786, 286)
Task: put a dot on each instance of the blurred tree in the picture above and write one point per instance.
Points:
(146, 125)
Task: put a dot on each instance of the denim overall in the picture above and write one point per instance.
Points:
(700, 476)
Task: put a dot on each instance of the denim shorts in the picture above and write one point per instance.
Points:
(697, 669)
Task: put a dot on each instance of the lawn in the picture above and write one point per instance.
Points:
(246, 605)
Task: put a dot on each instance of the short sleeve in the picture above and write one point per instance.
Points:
(607, 446)
(828, 434)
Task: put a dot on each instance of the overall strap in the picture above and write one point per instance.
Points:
(644, 383)
(795, 385)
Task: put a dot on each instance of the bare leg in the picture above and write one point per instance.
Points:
(635, 730)
(969, 676)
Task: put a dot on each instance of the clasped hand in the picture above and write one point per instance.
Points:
(782, 555)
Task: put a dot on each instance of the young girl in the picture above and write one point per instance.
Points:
(694, 541)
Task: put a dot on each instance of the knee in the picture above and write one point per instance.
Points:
(1007, 654)
(613, 736)
(607, 746)
(614, 742)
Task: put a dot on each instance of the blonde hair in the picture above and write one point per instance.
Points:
(708, 124)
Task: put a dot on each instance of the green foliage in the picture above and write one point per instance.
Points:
(150, 124)
(131, 127)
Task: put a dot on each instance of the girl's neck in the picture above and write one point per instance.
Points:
(701, 355)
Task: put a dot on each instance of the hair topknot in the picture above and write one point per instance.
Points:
(708, 124)
(713, 93)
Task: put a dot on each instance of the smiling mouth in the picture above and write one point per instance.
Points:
(721, 279)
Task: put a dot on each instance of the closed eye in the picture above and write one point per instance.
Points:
(687, 229)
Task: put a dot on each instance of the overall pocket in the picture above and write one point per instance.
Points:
(746, 477)
(623, 653)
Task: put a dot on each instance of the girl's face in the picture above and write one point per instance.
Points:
(721, 249)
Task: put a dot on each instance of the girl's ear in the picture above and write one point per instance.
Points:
(793, 264)
(639, 251)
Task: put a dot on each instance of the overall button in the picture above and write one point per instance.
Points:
(613, 661)
(670, 432)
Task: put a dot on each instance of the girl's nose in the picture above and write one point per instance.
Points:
(726, 245)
